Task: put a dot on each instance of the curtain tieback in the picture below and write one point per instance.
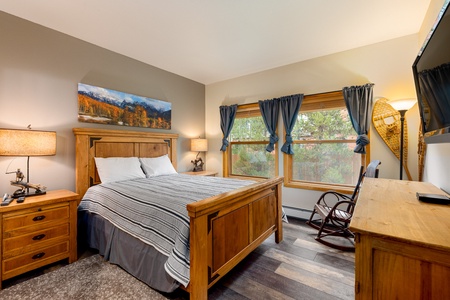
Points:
(272, 141)
(362, 140)
(225, 142)
(288, 139)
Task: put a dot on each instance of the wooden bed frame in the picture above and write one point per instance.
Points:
(224, 229)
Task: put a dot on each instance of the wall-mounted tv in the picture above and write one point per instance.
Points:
(431, 71)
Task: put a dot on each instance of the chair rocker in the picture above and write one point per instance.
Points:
(333, 212)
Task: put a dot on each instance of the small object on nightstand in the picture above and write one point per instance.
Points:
(6, 200)
(20, 199)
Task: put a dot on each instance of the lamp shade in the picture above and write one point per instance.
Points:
(15, 142)
(402, 104)
(199, 145)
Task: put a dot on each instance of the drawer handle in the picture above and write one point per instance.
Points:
(38, 237)
(38, 218)
(39, 255)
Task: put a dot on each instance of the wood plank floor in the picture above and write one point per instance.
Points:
(297, 268)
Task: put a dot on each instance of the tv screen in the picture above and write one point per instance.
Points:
(431, 71)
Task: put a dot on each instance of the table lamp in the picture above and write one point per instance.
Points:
(16, 142)
(198, 145)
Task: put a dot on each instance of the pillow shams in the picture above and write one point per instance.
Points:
(155, 166)
(118, 168)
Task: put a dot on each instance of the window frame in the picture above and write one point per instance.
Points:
(247, 110)
(310, 103)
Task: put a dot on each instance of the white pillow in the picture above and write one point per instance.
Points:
(155, 166)
(118, 168)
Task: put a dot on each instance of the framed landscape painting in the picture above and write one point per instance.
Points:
(105, 106)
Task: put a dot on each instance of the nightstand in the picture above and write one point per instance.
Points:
(37, 232)
(202, 173)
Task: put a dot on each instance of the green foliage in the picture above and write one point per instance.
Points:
(249, 129)
(324, 162)
(252, 160)
(323, 125)
(314, 161)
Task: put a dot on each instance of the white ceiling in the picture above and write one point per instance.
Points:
(214, 40)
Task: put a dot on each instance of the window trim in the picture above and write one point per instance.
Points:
(250, 110)
(312, 103)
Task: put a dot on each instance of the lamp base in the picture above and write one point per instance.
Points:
(20, 194)
(198, 164)
(197, 169)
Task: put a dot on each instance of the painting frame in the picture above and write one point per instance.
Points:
(111, 107)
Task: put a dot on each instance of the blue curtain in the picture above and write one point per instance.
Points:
(269, 112)
(435, 90)
(359, 103)
(290, 106)
(227, 116)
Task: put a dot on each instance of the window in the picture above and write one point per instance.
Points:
(246, 154)
(323, 143)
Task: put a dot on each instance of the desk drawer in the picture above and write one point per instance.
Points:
(44, 215)
(31, 260)
(33, 239)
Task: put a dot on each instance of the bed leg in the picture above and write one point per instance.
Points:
(199, 258)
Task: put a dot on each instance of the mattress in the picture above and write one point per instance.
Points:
(152, 211)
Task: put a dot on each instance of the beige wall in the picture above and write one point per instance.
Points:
(387, 65)
(39, 72)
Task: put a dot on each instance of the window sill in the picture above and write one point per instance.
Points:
(319, 186)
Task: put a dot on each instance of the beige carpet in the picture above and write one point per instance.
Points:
(89, 278)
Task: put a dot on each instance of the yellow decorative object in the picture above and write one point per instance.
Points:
(421, 151)
(386, 121)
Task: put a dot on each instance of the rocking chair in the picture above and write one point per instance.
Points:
(332, 216)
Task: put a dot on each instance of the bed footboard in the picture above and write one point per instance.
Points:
(224, 229)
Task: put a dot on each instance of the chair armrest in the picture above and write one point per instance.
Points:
(338, 197)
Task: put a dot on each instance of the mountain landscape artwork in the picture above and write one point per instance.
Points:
(105, 106)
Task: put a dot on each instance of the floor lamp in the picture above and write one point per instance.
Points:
(16, 142)
(402, 106)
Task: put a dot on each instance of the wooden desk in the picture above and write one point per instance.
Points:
(402, 245)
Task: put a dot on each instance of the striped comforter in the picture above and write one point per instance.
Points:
(154, 211)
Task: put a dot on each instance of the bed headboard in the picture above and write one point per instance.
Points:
(91, 142)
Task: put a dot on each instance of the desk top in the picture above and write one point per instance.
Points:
(389, 209)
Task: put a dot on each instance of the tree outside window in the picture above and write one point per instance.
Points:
(323, 143)
(246, 155)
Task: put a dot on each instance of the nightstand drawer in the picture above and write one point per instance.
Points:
(31, 240)
(42, 215)
(34, 259)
